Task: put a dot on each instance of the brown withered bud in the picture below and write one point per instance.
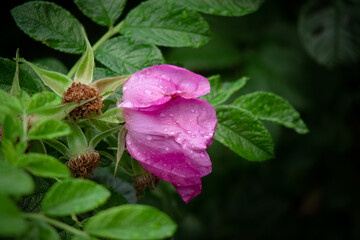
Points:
(143, 181)
(83, 165)
(78, 92)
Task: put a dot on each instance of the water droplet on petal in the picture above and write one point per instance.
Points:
(148, 92)
(171, 115)
(165, 129)
(189, 131)
(167, 149)
(192, 110)
(162, 115)
(166, 77)
(202, 154)
(148, 137)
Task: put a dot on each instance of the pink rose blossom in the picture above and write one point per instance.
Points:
(169, 129)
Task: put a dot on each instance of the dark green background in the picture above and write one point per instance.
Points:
(311, 189)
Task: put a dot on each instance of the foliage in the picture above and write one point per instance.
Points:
(40, 131)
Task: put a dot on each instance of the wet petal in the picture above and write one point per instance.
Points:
(188, 192)
(170, 141)
(158, 84)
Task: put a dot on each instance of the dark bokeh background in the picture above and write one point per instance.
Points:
(311, 189)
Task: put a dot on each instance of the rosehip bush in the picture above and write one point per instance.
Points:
(78, 150)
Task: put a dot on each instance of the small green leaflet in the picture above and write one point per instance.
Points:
(131, 222)
(220, 92)
(106, 86)
(12, 222)
(7, 69)
(85, 69)
(15, 88)
(120, 147)
(57, 82)
(243, 133)
(103, 12)
(270, 107)
(102, 136)
(114, 115)
(44, 166)
(223, 7)
(39, 230)
(125, 56)
(14, 181)
(42, 100)
(77, 141)
(50, 128)
(50, 24)
(165, 23)
(73, 197)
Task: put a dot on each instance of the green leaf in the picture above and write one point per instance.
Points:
(52, 64)
(120, 147)
(223, 7)
(125, 56)
(270, 107)
(73, 197)
(327, 34)
(11, 221)
(85, 69)
(100, 73)
(50, 128)
(106, 85)
(102, 136)
(57, 82)
(115, 200)
(50, 24)
(220, 92)
(55, 112)
(42, 100)
(7, 69)
(165, 23)
(243, 133)
(103, 12)
(9, 103)
(114, 115)
(59, 146)
(77, 141)
(131, 222)
(39, 230)
(12, 129)
(42, 165)
(15, 88)
(14, 181)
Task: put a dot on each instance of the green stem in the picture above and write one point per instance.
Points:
(73, 216)
(111, 32)
(25, 126)
(57, 223)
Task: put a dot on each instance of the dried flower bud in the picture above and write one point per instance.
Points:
(143, 181)
(84, 164)
(78, 92)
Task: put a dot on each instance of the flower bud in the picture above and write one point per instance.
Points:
(84, 164)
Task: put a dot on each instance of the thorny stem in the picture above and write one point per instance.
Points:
(57, 223)
(111, 32)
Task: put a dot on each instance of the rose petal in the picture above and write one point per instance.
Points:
(188, 192)
(158, 84)
(170, 141)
